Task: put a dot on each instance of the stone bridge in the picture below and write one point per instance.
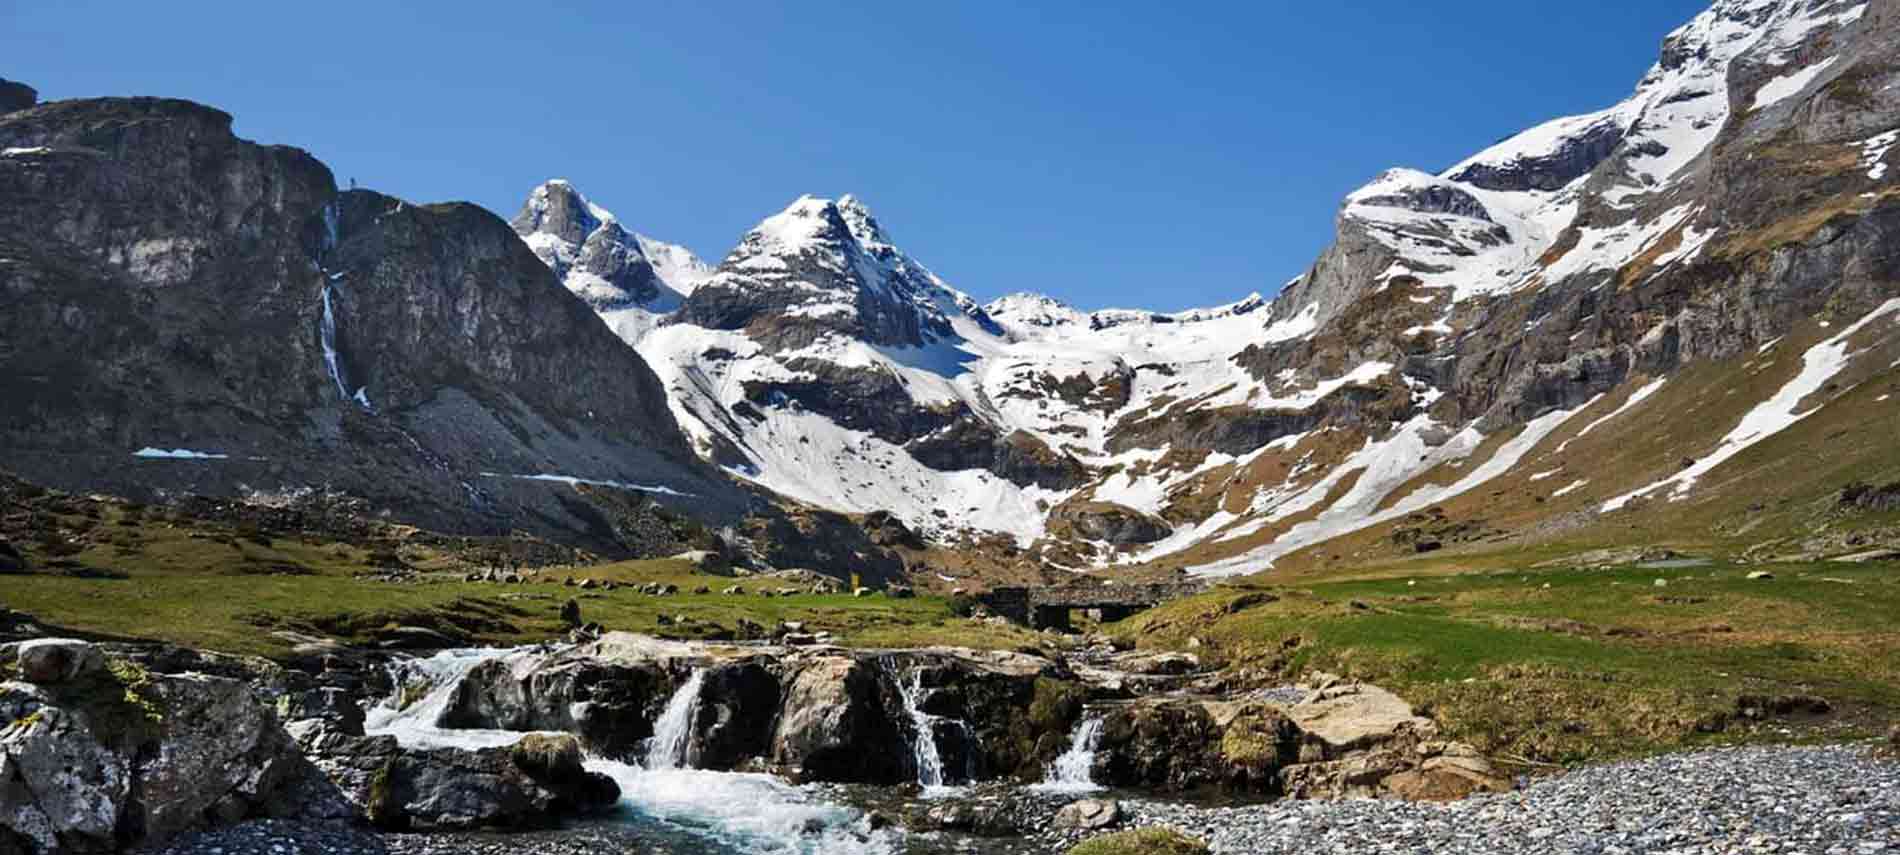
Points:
(1050, 607)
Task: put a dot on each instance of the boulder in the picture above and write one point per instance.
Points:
(1089, 815)
(606, 696)
(834, 725)
(53, 660)
(1341, 717)
(112, 759)
(981, 818)
(334, 707)
(1428, 772)
(738, 703)
(532, 784)
(1141, 841)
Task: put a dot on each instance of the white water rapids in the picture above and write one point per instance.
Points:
(1071, 772)
(724, 812)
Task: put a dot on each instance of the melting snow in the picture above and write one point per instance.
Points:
(1635, 398)
(151, 453)
(1383, 467)
(572, 481)
(1874, 152)
(1770, 417)
(1574, 486)
(1789, 85)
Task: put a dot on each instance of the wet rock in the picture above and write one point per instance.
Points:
(833, 709)
(1089, 815)
(449, 788)
(981, 818)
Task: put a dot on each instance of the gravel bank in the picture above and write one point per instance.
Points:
(1818, 801)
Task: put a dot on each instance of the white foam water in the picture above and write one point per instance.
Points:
(1073, 771)
(673, 732)
(725, 813)
(923, 743)
(418, 724)
(744, 813)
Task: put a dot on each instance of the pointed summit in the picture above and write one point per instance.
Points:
(555, 208)
(864, 226)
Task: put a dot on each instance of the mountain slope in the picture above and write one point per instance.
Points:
(1461, 328)
(172, 287)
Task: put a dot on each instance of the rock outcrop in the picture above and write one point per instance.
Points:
(97, 754)
(171, 286)
(1341, 741)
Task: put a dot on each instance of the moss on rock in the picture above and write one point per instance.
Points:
(1141, 841)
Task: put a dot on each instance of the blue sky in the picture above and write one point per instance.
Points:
(1110, 154)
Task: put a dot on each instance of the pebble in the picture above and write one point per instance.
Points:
(1820, 801)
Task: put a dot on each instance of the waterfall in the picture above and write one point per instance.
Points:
(331, 357)
(673, 732)
(923, 744)
(1070, 772)
(417, 723)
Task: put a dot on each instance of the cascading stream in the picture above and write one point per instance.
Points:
(923, 745)
(718, 813)
(1072, 772)
(417, 724)
(672, 740)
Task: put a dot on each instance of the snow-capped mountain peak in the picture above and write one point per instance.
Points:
(629, 278)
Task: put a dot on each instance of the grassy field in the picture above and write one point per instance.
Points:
(1569, 665)
(118, 570)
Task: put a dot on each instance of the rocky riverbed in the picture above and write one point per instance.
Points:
(1837, 800)
(630, 744)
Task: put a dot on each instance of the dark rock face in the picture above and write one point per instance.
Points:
(1575, 158)
(15, 95)
(171, 285)
(625, 277)
(1115, 524)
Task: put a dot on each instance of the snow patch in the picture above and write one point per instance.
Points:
(151, 453)
(1770, 417)
(573, 481)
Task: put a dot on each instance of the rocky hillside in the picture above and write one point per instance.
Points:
(192, 312)
(1731, 222)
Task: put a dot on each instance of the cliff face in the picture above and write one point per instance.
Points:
(174, 287)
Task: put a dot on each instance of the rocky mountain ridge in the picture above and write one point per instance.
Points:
(189, 312)
(1464, 330)
(1462, 327)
